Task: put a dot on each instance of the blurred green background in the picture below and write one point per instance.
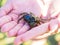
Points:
(4, 40)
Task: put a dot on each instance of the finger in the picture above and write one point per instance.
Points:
(13, 16)
(8, 26)
(18, 40)
(6, 8)
(53, 28)
(53, 25)
(58, 19)
(23, 29)
(39, 30)
(8, 18)
(15, 30)
(4, 20)
(56, 8)
(55, 14)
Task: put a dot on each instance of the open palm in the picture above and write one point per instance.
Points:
(9, 16)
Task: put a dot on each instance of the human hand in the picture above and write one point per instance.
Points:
(9, 16)
(8, 25)
(10, 11)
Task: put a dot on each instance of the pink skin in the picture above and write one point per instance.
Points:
(9, 16)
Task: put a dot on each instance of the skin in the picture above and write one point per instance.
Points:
(9, 15)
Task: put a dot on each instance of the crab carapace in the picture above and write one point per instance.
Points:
(31, 19)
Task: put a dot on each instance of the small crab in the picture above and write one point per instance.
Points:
(31, 19)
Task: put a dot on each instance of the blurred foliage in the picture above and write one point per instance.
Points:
(2, 36)
(57, 37)
(27, 43)
(53, 39)
(4, 40)
(2, 2)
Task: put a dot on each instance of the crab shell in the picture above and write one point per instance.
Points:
(30, 19)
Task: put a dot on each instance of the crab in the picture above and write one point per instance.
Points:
(31, 19)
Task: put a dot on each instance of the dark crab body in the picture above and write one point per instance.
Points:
(30, 19)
